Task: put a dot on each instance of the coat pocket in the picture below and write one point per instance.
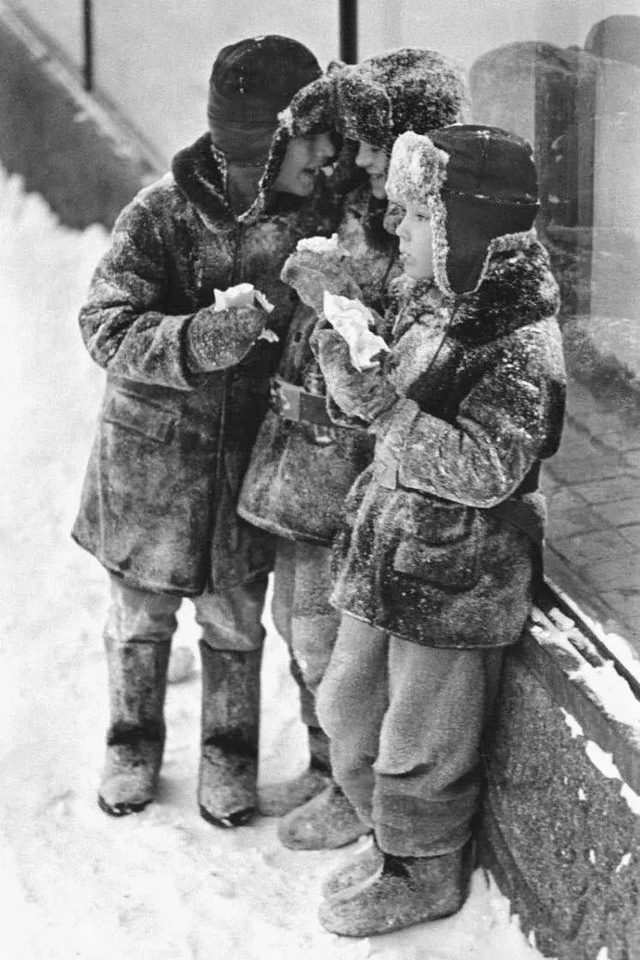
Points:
(140, 415)
(442, 547)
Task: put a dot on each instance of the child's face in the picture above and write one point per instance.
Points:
(303, 160)
(416, 241)
(375, 161)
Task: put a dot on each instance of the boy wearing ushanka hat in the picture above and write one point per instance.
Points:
(187, 314)
(440, 550)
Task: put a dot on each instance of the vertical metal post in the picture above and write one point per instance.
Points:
(349, 31)
(87, 24)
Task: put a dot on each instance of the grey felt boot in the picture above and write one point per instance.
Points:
(326, 822)
(278, 799)
(227, 794)
(402, 892)
(135, 739)
(361, 865)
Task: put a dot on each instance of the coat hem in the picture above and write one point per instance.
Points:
(288, 533)
(423, 643)
(188, 593)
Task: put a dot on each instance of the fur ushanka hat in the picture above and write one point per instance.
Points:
(407, 89)
(481, 186)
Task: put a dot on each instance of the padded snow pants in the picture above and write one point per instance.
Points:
(405, 724)
(303, 616)
(230, 618)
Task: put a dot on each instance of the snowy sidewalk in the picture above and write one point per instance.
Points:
(163, 885)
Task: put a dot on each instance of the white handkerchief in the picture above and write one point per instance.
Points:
(242, 295)
(245, 295)
(352, 320)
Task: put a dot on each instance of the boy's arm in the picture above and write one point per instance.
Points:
(126, 328)
(511, 418)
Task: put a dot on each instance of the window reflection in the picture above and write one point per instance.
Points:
(579, 107)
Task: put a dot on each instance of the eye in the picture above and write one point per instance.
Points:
(395, 209)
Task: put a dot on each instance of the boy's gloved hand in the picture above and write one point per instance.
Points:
(312, 273)
(364, 394)
(219, 339)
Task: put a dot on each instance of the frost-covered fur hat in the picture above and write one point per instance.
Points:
(481, 186)
(407, 89)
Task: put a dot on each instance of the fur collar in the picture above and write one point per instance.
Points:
(517, 288)
(200, 173)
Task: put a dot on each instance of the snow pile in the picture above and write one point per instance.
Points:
(163, 885)
(603, 762)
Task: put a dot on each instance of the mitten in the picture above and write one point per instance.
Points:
(312, 273)
(217, 339)
(364, 394)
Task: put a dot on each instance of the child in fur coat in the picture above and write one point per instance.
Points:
(436, 563)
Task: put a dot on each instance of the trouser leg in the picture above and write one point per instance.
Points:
(308, 624)
(231, 650)
(352, 700)
(138, 633)
(428, 770)
(425, 787)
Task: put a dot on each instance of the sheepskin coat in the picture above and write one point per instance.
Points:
(301, 472)
(173, 440)
(424, 551)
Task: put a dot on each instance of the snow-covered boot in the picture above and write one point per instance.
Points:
(361, 865)
(326, 822)
(402, 892)
(135, 739)
(277, 799)
(227, 793)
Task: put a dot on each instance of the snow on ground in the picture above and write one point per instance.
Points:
(162, 885)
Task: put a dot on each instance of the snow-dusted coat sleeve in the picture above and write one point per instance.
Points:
(126, 324)
(501, 429)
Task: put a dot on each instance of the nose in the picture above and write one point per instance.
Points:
(401, 229)
(323, 146)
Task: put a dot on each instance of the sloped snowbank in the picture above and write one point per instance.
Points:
(162, 885)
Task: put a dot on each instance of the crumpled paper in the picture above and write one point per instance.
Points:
(244, 295)
(352, 320)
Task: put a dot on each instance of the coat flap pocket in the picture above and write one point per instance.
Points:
(442, 548)
(454, 566)
(140, 415)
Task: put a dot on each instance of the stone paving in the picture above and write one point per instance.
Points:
(593, 490)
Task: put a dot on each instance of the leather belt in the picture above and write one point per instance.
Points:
(295, 403)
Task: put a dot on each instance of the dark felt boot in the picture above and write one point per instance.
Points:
(278, 799)
(403, 891)
(135, 739)
(227, 793)
(326, 822)
(361, 865)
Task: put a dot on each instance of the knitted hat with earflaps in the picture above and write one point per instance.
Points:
(481, 186)
(251, 82)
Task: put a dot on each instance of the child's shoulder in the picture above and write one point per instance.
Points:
(518, 288)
